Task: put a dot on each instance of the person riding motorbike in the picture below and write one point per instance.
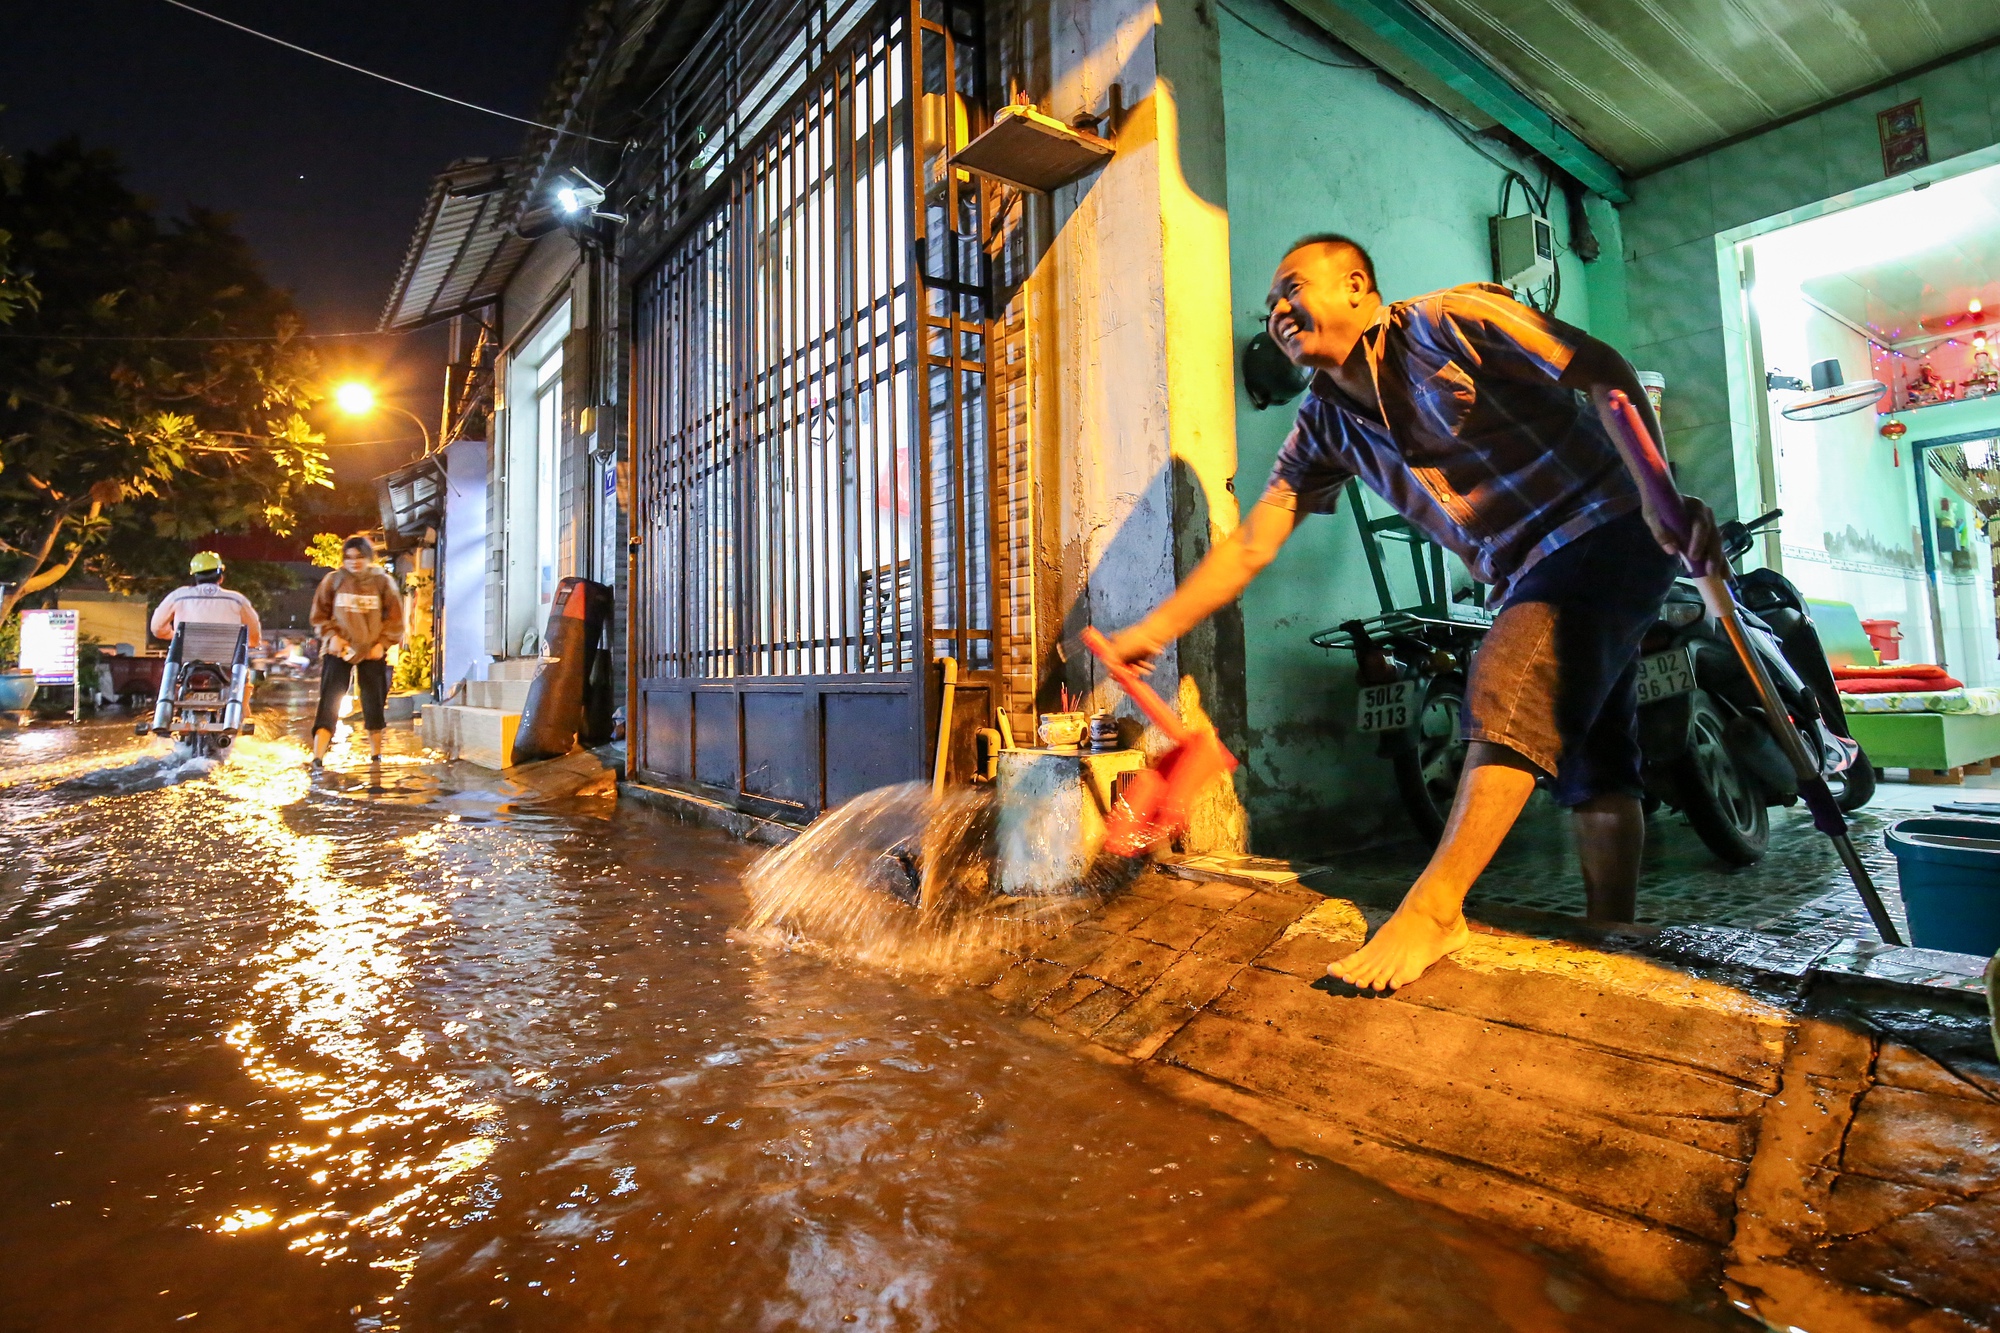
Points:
(206, 601)
(359, 616)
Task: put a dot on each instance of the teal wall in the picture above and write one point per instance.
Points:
(1678, 318)
(1312, 147)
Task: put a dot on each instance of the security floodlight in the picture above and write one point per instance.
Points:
(579, 196)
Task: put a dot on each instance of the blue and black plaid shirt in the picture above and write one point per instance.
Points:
(1479, 447)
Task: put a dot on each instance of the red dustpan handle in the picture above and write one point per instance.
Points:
(1149, 701)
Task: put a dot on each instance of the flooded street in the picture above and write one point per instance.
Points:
(289, 1053)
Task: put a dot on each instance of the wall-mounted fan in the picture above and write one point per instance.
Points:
(1830, 395)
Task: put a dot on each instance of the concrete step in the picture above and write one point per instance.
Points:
(513, 668)
(483, 736)
(509, 696)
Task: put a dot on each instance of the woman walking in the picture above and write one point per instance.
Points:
(359, 616)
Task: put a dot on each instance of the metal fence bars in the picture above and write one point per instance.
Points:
(798, 464)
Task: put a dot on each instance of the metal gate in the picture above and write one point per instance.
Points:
(813, 469)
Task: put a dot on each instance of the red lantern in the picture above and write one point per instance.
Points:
(1893, 431)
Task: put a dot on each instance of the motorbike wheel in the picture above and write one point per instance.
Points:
(1856, 787)
(1718, 795)
(1430, 757)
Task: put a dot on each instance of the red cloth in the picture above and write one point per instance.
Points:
(1902, 678)
(1901, 671)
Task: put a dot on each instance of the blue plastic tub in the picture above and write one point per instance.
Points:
(1950, 872)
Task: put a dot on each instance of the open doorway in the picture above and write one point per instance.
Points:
(1887, 493)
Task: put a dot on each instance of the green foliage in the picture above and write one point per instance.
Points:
(10, 642)
(324, 549)
(114, 448)
(153, 578)
(413, 667)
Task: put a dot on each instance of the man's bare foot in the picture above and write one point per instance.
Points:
(1401, 951)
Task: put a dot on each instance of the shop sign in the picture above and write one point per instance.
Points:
(48, 646)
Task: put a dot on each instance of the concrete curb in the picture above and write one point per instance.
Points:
(699, 810)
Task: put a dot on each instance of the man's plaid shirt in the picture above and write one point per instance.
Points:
(1482, 449)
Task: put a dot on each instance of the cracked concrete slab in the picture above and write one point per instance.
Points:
(1680, 1115)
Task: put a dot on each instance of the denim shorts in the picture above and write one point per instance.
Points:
(1554, 679)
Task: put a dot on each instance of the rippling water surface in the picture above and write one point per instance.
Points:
(393, 1050)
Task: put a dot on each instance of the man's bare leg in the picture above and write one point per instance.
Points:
(375, 744)
(1430, 922)
(321, 739)
(1610, 835)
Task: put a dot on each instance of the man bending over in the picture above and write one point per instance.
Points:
(1483, 422)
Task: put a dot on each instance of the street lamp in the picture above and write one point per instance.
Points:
(358, 400)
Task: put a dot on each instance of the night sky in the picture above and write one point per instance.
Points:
(324, 170)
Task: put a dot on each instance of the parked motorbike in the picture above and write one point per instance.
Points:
(1412, 673)
(1707, 750)
(204, 689)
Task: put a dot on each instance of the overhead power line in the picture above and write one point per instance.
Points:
(442, 97)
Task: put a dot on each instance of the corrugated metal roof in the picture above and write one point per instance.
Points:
(1650, 81)
(462, 253)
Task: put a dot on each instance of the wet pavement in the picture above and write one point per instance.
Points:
(393, 1052)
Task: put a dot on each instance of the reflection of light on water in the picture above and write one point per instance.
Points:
(244, 1219)
(333, 1025)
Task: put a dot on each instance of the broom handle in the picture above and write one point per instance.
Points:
(1636, 443)
(1140, 693)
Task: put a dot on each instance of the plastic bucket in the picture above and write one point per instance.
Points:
(1884, 636)
(1950, 873)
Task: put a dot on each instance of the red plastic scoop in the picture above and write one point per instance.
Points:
(1155, 801)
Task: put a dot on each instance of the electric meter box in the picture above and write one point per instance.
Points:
(1524, 250)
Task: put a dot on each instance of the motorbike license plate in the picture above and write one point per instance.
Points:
(1664, 675)
(200, 697)
(1388, 707)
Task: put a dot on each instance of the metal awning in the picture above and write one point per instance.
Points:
(462, 254)
(1647, 82)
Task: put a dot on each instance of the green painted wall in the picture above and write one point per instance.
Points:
(1316, 147)
(1677, 311)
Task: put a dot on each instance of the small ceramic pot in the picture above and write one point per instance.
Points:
(1060, 729)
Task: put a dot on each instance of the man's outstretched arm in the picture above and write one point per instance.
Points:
(1217, 581)
(1596, 368)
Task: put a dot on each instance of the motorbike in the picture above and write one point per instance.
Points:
(1707, 750)
(204, 689)
(1412, 671)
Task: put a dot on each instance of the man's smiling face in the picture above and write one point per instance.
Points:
(1318, 305)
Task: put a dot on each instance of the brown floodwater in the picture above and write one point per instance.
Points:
(285, 1053)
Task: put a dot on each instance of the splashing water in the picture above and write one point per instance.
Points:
(902, 879)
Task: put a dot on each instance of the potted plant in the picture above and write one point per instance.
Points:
(17, 687)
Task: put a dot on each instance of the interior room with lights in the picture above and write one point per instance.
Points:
(1871, 334)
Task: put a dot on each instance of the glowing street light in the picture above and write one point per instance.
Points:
(358, 400)
(355, 399)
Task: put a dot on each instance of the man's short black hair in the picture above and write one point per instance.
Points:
(209, 576)
(1360, 256)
